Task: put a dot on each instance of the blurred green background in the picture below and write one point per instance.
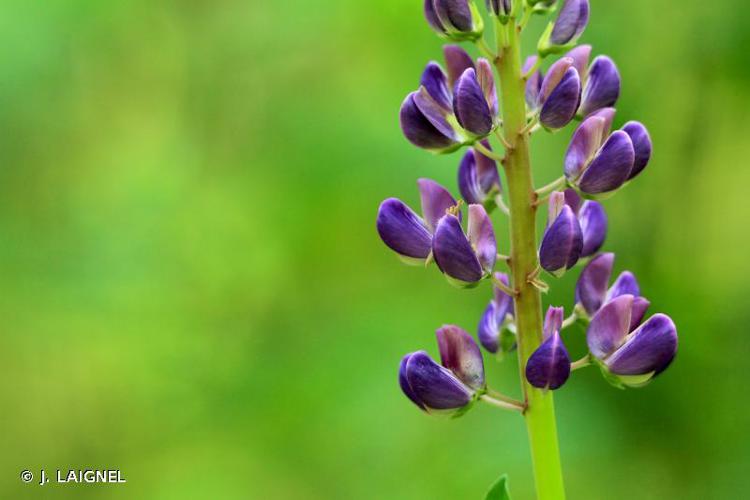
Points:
(192, 289)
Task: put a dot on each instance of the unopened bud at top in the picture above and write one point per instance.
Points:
(457, 20)
(567, 28)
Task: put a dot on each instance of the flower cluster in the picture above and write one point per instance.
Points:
(458, 107)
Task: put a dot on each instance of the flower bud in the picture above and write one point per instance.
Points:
(450, 387)
(425, 124)
(533, 84)
(641, 144)
(594, 165)
(475, 102)
(592, 293)
(567, 28)
(562, 241)
(500, 8)
(601, 87)
(465, 259)
(457, 20)
(478, 178)
(407, 234)
(559, 95)
(633, 356)
(549, 366)
(593, 221)
(496, 319)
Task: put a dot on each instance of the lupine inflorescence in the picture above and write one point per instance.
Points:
(460, 106)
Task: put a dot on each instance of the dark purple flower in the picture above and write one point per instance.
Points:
(452, 386)
(595, 165)
(634, 354)
(562, 241)
(559, 95)
(478, 178)
(473, 109)
(601, 80)
(533, 84)
(641, 144)
(592, 292)
(408, 234)
(457, 60)
(457, 20)
(567, 28)
(465, 259)
(497, 318)
(500, 8)
(593, 221)
(549, 365)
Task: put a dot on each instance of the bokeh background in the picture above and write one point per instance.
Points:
(192, 289)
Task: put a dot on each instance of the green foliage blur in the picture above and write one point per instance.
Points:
(192, 289)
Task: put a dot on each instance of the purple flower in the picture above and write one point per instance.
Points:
(549, 366)
(563, 240)
(465, 259)
(500, 8)
(633, 354)
(593, 221)
(408, 234)
(478, 178)
(559, 94)
(439, 119)
(597, 164)
(567, 28)
(592, 292)
(450, 387)
(497, 320)
(457, 20)
(641, 144)
(601, 80)
(533, 84)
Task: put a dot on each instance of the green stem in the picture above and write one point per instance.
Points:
(540, 412)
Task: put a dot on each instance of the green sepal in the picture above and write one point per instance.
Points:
(622, 381)
(462, 411)
(610, 377)
(545, 47)
(499, 490)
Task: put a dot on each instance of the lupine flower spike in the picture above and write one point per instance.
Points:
(549, 366)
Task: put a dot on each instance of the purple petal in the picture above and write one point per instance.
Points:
(553, 321)
(432, 17)
(549, 366)
(503, 301)
(477, 176)
(436, 83)
(593, 221)
(580, 56)
(533, 84)
(402, 230)
(651, 348)
(482, 237)
(487, 83)
(554, 76)
(457, 61)
(436, 387)
(435, 201)
(570, 23)
(591, 288)
(609, 326)
(404, 383)
(560, 108)
(555, 205)
(586, 141)
(436, 114)
(625, 284)
(454, 13)
(418, 129)
(640, 306)
(641, 144)
(573, 200)
(609, 115)
(470, 106)
(453, 253)
(494, 316)
(562, 243)
(611, 166)
(461, 355)
(602, 86)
